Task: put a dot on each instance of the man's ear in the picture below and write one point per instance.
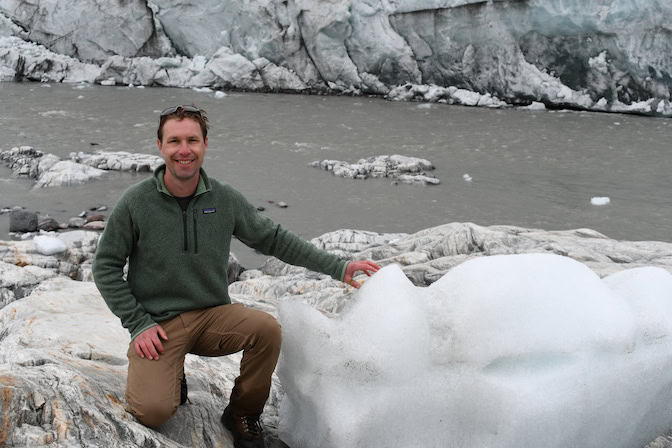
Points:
(158, 143)
(206, 142)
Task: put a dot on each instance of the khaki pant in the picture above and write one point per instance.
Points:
(153, 387)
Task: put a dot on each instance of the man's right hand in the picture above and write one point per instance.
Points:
(147, 343)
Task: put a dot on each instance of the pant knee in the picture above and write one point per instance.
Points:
(153, 414)
(269, 332)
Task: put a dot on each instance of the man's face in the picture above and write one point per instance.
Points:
(183, 148)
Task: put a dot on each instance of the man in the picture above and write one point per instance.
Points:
(175, 229)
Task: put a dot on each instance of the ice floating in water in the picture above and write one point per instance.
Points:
(49, 245)
(467, 177)
(424, 106)
(535, 106)
(202, 89)
(219, 94)
(503, 351)
(600, 200)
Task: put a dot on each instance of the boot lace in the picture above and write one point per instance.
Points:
(252, 426)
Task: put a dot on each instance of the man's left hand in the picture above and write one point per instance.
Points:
(366, 266)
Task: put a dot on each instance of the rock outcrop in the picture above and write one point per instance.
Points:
(407, 170)
(49, 171)
(62, 356)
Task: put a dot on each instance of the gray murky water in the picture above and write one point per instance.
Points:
(532, 169)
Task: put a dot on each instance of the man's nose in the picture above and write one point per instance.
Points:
(184, 147)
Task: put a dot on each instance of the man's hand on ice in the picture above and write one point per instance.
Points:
(147, 343)
(366, 266)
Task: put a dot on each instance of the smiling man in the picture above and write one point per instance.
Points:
(175, 229)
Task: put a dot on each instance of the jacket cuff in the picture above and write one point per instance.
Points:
(137, 332)
(345, 265)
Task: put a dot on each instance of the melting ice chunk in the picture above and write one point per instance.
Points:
(502, 351)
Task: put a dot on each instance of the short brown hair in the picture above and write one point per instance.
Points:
(180, 113)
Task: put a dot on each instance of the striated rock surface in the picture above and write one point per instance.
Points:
(408, 170)
(61, 388)
(594, 55)
(427, 255)
(63, 375)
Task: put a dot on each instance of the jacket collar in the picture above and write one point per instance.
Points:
(204, 184)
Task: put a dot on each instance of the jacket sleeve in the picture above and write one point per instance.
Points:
(114, 246)
(261, 233)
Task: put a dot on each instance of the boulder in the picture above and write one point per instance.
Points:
(22, 221)
(48, 224)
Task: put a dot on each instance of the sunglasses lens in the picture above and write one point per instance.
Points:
(172, 110)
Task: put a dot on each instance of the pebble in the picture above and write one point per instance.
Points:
(95, 225)
(93, 218)
(261, 208)
(282, 205)
(76, 222)
(82, 215)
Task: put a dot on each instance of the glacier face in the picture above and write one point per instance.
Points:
(592, 54)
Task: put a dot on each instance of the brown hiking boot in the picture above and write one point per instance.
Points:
(247, 431)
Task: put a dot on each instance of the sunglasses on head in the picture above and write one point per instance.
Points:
(172, 110)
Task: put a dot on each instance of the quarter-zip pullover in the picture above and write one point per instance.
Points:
(178, 260)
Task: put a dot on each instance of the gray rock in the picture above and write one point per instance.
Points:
(282, 204)
(48, 224)
(95, 225)
(408, 170)
(77, 222)
(47, 169)
(96, 217)
(22, 221)
(81, 246)
(234, 268)
(117, 161)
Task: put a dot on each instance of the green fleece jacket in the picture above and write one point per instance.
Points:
(178, 260)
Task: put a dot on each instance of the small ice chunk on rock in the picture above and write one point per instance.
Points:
(49, 245)
(600, 200)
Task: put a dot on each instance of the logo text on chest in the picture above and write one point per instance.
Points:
(209, 210)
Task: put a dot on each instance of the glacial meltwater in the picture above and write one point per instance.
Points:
(536, 169)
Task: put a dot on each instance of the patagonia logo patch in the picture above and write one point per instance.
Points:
(209, 210)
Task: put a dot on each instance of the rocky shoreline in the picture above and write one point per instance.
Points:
(64, 389)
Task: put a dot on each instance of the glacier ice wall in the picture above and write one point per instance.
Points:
(592, 54)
